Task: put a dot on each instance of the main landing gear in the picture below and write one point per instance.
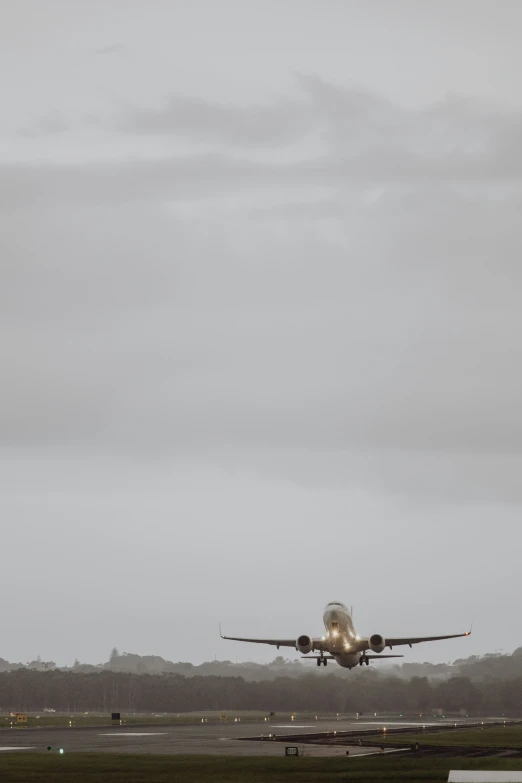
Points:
(322, 660)
(364, 659)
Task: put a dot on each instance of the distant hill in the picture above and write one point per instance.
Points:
(476, 667)
(494, 666)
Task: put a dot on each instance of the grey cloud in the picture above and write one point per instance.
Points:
(318, 108)
(396, 280)
(51, 123)
(353, 122)
(368, 141)
(212, 175)
(146, 329)
(363, 136)
(111, 49)
(182, 178)
(417, 479)
(280, 123)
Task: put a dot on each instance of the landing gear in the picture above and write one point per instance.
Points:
(322, 660)
(364, 659)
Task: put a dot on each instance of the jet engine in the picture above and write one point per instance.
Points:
(304, 644)
(377, 643)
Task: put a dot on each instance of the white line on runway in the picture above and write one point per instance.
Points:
(405, 724)
(19, 748)
(133, 734)
(381, 752)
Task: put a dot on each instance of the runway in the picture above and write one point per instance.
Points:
(328, 737)
(212, 739)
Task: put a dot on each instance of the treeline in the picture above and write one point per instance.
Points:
(155, 664)
(364, 692)
(476, 667)
(492, 666)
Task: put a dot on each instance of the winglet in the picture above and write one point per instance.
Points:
(220, 631)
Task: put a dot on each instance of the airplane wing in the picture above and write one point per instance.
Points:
(411, 640)
(319, 644)
(277, 642)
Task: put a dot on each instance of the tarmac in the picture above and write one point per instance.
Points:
(212, 739)
(323, 738)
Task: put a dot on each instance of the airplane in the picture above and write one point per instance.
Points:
(340, 642)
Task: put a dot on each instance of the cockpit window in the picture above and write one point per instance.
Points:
(334, 603)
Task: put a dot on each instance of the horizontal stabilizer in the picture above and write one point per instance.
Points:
(376, 657)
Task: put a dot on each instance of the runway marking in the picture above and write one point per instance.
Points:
(382, 752)
(292, 726)
(133, 734)
(407, 724)
(30, 747)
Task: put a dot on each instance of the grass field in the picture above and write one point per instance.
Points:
(95, 768)
(488, 737)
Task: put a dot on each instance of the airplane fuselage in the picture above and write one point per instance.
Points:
(340, 635)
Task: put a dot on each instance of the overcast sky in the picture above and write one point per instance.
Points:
(259, 323)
